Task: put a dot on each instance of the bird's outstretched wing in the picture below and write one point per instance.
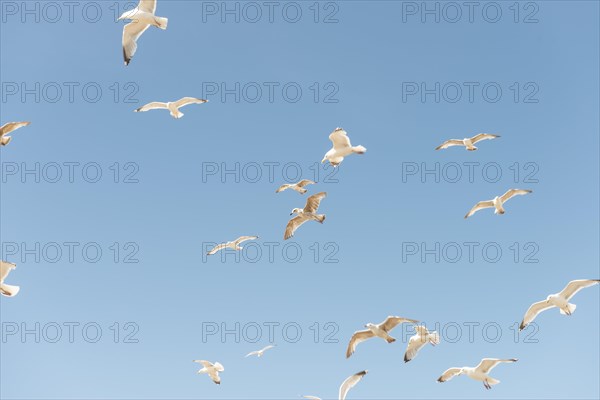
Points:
(487, 364)
(533, 312)
(131, 33)
(450, 143)
(357, 337)
(218, 247)
(11, 126)
(244, 238)
(392, 321)
(349, 383)
(480, 206)
(449, 374)
(312, 203)
(483, 136)
(155, 105)
(575, 286)
(512, 193)
(340, 139)
(189, 100)
(292, 225)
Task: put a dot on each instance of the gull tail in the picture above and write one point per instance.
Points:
(9, 290)
(359, 149)
(302, 190)
(161, 22)
(390, 339)
(321, 218)
(5, 140)
(570, 309)
(177, 114)
(492, 381)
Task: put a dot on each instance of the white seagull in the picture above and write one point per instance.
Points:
(559, 300)
(7, 290)
(479, 373)
(376, 330)
(234, 245)
(467, 142)
(308, 213)
(259, 353)
(497, 202)
(8, 128)
(298, 187)
(341, 147)
(212, 370)
(173, 107)
(420, 339)
(141, 18)
(349, 383)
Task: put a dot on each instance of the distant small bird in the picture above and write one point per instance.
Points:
(7, 290)
(259, 353)
(420, 339)
(376, 330)
(234, 245)
(308, 213)
(341, 148)
(497, 202)
(298, 187)
(212, 370)
(173, 107)
(479, 373)
(467, 142)
(142, 17)
(8, 128)
(349, 383)
(559, 300)
(311, 397)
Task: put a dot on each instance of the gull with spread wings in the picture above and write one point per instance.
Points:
(261, 352)
(234, 245)
(8, 128)
(467, 142)
(418, 340)
(376, 330)
(341, 148)
(497, 202)
(559, 300)
(173, 107)
(308, 213)
(141, 18)
(298, 187)
(479, 373)
(212, 370)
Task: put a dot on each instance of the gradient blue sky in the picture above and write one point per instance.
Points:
(368, 55)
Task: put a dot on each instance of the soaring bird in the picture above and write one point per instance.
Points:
(261, 352)
(212, 370)
(341, 148)
(479, 373)
(141, 18)
(234, 245)
(376, 330)
(7, 290)
(349, 383)
(173, 107)
(559, 300)
(497, 202)
(420, 339)
(467, 142)
(8, 128)
(298, 187)
(308, 213)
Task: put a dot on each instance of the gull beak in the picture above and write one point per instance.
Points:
(291, 213)
(323, 160)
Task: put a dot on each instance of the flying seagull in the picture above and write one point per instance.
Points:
(497, 202)
(560, 300)
(173, 107)
(8, 128)
(211, 369)
(479, 373)
(376, 330)
(141, 18)
(259, 353)
(309, 212)
(7, 290)
(298, 187)
(349, 383)
(235, 245)
(341, 148)
(311, 397)
(420, 339)
(467, 142)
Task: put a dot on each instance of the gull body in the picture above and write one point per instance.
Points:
(497, 202)
(142, 17)
(7, 290)
(234, 245)
(212, 370)
(298, 187)
(308, 213)
(376, 330)
(173, 107)
(478, 373)
(261, 352)
(559, 300)
(419, 340)
(8, 128)
(468, 143)
(341, 148)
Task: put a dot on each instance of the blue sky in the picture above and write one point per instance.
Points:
(165, 206)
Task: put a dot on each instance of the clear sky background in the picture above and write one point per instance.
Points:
(164, 207)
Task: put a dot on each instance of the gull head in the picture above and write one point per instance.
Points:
(369, 325)
(296, 211)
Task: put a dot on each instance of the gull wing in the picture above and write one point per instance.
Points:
(480, 206)
(155, 105)
(11, 126)
(575, 286)
(312, 203)
(349, 383)
(357, 337)
(292, 225)
(340, 139)
(512, 193)
(131, 33)
(189, 100)
(483, 136)
(533, 312)
(449, 374)
(487, 364)
(392, 321)
(450, 143)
